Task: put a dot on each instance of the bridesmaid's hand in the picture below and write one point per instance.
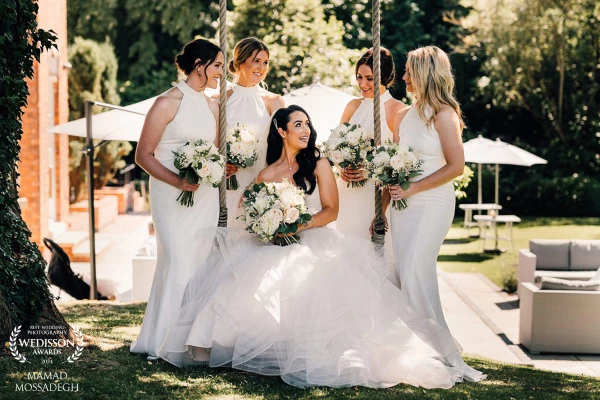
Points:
(183, 184)
(385, 221)
(350, 174)
(397, 193)
(230, 169)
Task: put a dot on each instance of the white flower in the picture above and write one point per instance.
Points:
(381, 158)
(275, 215)
(216, 173)
(337, 157)
(291, 215)
(246, 136)
(397, 162)
(340, 130)
(411, 158)
(204, 171)
(189, 154)
(261, 204)
(402, 148)
(347, 154)
(236, 148)
(354, 136)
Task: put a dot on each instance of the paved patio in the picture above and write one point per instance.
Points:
(483, 319)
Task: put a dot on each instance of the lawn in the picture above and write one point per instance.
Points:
(462, 254)
(106, 370)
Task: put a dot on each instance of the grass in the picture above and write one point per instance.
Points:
(107, 370)
(462, 254)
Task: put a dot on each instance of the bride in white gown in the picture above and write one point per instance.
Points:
(325, 311)
(181, 114)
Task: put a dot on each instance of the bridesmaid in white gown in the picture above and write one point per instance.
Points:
(180, 114)
(252, 105)
(357, 205)
(432, 126)
(322, 312)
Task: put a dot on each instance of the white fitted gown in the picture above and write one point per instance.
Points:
(246, 106)
(178, 254)
(357, 205)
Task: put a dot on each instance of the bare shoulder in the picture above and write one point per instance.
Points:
(397, 105)
(168, 103)
(447, 114)
(353, 105)
(273, 101)
(323, 166)
(266, 175)
(400, 114)
(213, 104)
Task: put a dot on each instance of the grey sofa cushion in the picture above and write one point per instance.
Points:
(568, 275)
(563, 284)
(551, 254)
(585, 255)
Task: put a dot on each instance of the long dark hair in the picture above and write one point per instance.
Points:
(307, 158)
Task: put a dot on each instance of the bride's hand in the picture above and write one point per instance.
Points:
(385, 221)
(230, 169)
(350, 174)
(183, 184)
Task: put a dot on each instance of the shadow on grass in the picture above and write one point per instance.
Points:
(465, 257)
(117, 374)
(461, 240)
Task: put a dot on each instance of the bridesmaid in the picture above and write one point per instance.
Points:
(432, 126)
(178, 115)
(357, 205)
(252, 105)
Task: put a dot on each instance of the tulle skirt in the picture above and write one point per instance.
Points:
(323, 312)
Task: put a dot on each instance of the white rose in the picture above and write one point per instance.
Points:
(236, 148)
(286, 197)
(204, 171)
(189, 153)
(354, 136)
(412, 158)
(402, 148)
(275, 215)
(246, 136)
(337, 157)
(397, 162)
(381, 158)
(340, 130)
(291, 215)
(217, 173)
(297, 200)
(347, 154)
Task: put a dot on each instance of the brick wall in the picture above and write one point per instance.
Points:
(35, 179)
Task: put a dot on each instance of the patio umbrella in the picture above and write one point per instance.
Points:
(324, 104)
(485, 151)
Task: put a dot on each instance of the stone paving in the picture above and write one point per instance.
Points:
(482, 318)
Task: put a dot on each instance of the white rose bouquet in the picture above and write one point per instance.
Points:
(199, 162)
(394, 164)
(242, 150)
(349, 146)
(275, 208)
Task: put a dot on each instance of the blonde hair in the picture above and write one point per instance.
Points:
(243, 50)
(432, 82)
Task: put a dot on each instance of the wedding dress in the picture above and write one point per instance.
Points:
(246, 106)
(323, 312)
(176, 226)
(357, 205)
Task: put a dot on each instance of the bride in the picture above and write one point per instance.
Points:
(323, 312)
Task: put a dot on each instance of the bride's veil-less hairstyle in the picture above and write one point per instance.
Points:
(432, 81)
(307, 158)
(243, 50)
(197, 53)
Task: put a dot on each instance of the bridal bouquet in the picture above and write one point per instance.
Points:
(394, 164)
(349, 146)
(198, 161)
(275, 208)
(242, 147)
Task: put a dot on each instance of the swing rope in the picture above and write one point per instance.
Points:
(223, 110)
